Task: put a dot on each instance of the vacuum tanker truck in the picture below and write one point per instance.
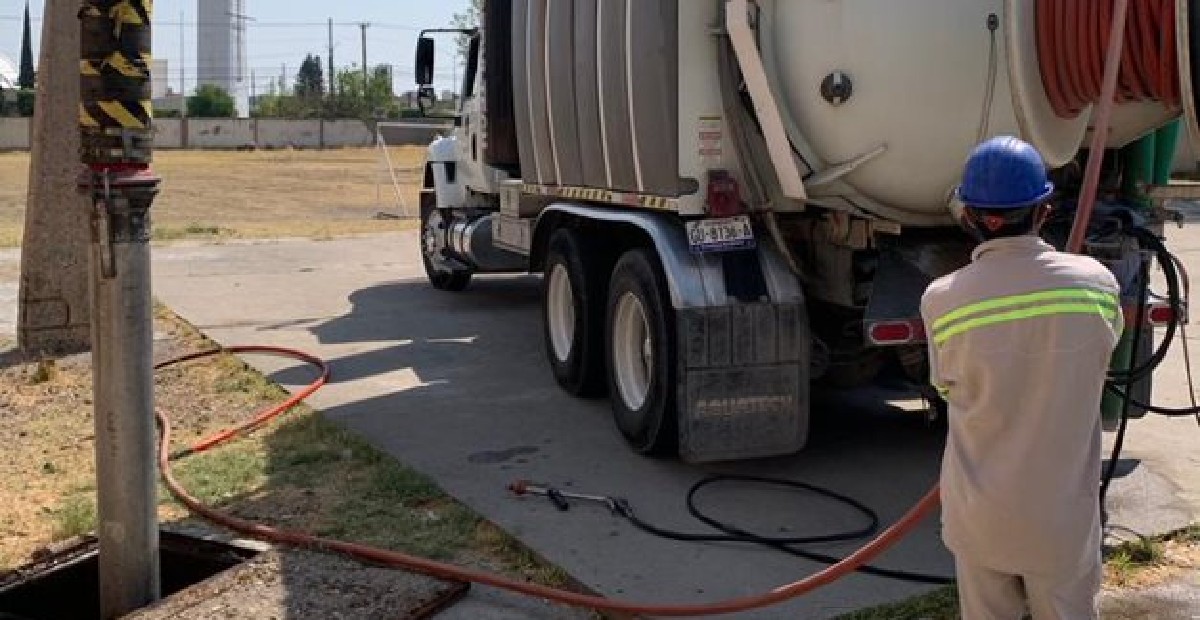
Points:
(731, 200)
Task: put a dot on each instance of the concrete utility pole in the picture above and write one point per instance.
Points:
(117, 137)
(366, 74)
(183, 61)
(332, 77)
(54, 277)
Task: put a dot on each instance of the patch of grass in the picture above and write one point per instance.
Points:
(373, 499)
(939, 605)
(1127, 560)
(213, 195)
(300, 472)
(76, 516)
(44, 372)
(238, 377)
(225, 473)
(1190, 534)
(517, 557)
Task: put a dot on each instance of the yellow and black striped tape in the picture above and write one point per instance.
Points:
(132, 12)
(116, 115)
(122, 13)
(647, 201)
(117, 64)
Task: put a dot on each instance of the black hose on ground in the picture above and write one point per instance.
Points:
(733, 534)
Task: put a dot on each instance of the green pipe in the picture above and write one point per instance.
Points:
(1165, 146)
(1138, 161)
(1111, 406)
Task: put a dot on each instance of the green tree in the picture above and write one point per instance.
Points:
(26, 102)
(211, 101)
(356, 98)
(471, 18)
(310, 81)
(25, 79)
(287, 106)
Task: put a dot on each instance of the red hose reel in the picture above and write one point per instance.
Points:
(1072, 38)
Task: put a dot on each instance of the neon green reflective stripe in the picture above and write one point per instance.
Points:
(942, 391)
(998, 303)
(1025, 313)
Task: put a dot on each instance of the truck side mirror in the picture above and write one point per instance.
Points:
(424, 64)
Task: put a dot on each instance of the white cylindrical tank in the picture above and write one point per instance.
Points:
(928, 80)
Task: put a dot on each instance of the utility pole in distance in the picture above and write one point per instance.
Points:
(117, 146)
(183, 60)
(366, 74)
(332, 77)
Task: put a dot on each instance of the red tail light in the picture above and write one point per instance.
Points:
(1160, 314)
(893, 333)
(724, 194)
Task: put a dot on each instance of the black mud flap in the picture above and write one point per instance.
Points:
(743, 381)
(897, 289)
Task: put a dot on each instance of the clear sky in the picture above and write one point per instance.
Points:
(284, 31)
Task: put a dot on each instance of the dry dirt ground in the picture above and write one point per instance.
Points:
(263, 194)
(299, 473)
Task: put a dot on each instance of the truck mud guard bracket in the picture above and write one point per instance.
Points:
(754, 72)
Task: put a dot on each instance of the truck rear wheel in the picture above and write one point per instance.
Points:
(572, 316)
(441, 274)
(640, 355)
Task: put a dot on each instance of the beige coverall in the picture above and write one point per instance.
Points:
(1020, 343)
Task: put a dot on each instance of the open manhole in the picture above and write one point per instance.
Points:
(66, 583)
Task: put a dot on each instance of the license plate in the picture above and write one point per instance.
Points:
(723, 235)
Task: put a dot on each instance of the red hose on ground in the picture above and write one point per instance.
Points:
(267, 414)
(442, 570)
(1073, 37)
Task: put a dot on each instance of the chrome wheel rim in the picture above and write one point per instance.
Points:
(633, 352)
(560, 312)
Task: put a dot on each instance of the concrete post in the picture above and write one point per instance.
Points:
(118, 144)
(54, 299)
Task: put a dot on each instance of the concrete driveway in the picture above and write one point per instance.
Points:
(456, 386)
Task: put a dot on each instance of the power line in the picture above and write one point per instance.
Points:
(260, 24)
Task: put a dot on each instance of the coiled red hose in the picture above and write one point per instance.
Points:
(1073, 37)
(395, 559)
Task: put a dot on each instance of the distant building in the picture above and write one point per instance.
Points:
(171, 103)
(221, 49)
(8, 73)
(160, 78)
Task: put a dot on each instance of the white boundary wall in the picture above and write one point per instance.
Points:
(174, 133)
(15, 134)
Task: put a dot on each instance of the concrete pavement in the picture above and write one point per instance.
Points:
(456, 386)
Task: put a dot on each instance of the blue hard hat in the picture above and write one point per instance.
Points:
(1005, 173)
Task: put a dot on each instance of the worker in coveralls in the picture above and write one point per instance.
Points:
(1020, 342)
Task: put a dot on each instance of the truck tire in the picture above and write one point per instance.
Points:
(442, 276)
(640, 354)
(573, 316)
